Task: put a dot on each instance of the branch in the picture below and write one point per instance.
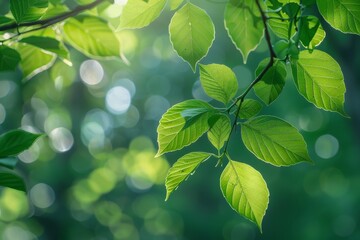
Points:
(53, 20)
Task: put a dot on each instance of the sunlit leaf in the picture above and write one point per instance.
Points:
(244, 25)
(182, 169)
(245, 190)
(274, 141)
(34, 60)
(174, 4)
(11, 180)
(8, 162)
(140, 13)
(219, 131)
(343, 15)
(272, 83)
(28, 10)
(92, 36)
(9, 58)
(219, 82)
(312, 33)
(15, 142)
(319, 79)
(172, 133)
(191, 33)
(249, 108)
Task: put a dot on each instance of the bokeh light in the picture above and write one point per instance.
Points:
(91, 72)
(118, 100)
(326, 146)
(42, 195)
(61, 139)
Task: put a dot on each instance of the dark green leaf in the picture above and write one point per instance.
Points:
(5, 21)
(311, 32)
(15, 142)
(9, 58)
(11, 180)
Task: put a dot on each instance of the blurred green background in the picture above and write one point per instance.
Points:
(94, 175)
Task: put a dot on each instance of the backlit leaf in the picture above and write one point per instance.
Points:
(249, 108)
(219, 131)
(274, 141)
(245, 190)
(312, 33)
(15, 142)
(28, 10)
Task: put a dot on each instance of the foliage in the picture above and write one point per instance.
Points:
(291, 36)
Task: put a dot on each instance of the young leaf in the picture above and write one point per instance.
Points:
(139, 13)
(219, 131)
(219, 82)
(318, 77)
(272, 83)
(28, 10)
(8, 162)
(311, 33)
(245, 190)
(11, 180)
(274, 141)
(182, 169)
(244, 26)
(34, 60)
(249, 108)
(9, 58)
(172, 133)
(48, 44)
(192, 33)
(16, 141)
(342, 15)
(92, 36)
(174, 4)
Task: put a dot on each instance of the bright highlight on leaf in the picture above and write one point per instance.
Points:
(191, 33)
(28, 10)
(182, 169)
(343, 15)
(319, 79)
(140, 13)
(219, 82)
(172, 132)
(274, 141)
(219, 131)
(245, 190)
(312, 33)
(244, 25)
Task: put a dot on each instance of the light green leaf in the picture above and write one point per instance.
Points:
(182, 169)
(311, 33)
(34, 60)
(219, 131)
(92, 36)
(28, 10)
(11, 180)
(48, 44)
(272, 83)
(343, 15)
(249, 108)
(191, 33)
(219, 82)
(9, 58)
(174, 4)
(274, 141)
(172, 132)
(15, 142)
(244, 25)
(318, 77)
(8, 162)
(245, 190)
(138, 13)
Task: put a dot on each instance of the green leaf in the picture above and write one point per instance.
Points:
(318, 77)
(172, 133)
(5, 21)
(15, 142)
(219, 82)
(28, 10)
(34, 60)
(249, 108)
(92, 36)
(245, 190)
(244, 26)
(311, 32)
(8, 162)
(11, 180)
(191, 33)
(174, 4)
(9, 58)
(272, 83)
(343, 15)
(219, 131)
(48, 44)
(274, 141)
(138, 13)
(182, 169)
